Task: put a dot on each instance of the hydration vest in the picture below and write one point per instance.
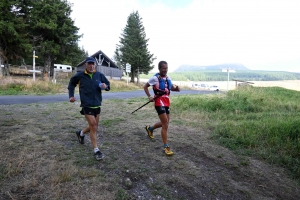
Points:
(162, 84)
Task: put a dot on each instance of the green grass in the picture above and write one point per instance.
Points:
(261, 122)
(122, 194)
(39, 87)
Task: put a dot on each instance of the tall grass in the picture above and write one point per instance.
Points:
(11, 86)
(261, 122)
(122, 85)
(19, 86)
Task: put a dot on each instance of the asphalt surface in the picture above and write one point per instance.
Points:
(28, 99)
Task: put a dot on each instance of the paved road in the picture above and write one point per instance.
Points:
(27, 99)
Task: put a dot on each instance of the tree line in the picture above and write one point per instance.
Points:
(43, 26)
(248, 75)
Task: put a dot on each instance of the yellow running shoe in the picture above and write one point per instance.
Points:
(168, 151)
(150, 133)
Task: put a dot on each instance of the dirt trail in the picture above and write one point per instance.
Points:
(41, 159)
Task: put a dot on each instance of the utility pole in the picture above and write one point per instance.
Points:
(228, 70)
(227, 79)
(33, 66)
(138, 76)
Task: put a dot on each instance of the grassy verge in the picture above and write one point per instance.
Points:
(260, 122)
(25, 86)
(11, 86)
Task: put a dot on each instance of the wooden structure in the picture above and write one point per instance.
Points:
(243, 83)
(104, 65)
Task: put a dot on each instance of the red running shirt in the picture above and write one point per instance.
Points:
(163, 100)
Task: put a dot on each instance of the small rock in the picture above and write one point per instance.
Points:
(128, 183)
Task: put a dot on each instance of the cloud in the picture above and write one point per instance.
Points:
(199, 32)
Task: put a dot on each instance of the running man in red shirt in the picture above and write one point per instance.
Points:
(162, 85)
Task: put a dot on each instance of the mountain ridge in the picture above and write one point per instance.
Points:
(232, 66)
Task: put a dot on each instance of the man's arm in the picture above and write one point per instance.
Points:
(71, 88)
(105, 83)
(147, 91)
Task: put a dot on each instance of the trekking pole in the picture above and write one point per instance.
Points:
(144, 105)
(141, 107)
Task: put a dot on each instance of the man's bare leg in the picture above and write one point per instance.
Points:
(92, 128)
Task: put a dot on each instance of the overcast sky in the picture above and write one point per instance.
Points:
(260, 34)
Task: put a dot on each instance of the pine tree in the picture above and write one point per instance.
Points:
(13, 33)
(41, 25)
(51, 20)
(133, 48)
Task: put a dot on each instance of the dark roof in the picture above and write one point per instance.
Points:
(102, 60)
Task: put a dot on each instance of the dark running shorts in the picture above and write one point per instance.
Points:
(162, 110)
(90, 111)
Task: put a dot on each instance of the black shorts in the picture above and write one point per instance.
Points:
(162, 110)
(90, 111)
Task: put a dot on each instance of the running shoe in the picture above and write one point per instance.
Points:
(150, 133)
(98, 155)
(80, 138)
(168, 151)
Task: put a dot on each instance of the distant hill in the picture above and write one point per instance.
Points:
(190, 68)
